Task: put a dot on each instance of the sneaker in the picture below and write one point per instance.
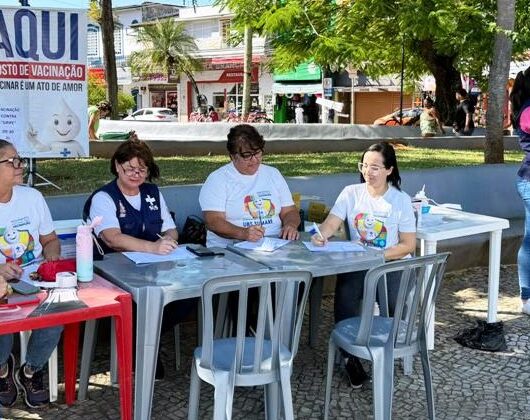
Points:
(355, 372)
(8, 389)
(35, 395)
(525, 308)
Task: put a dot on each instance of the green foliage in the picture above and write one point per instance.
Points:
(97, 92)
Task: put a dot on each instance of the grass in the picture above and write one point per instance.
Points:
(85, 175)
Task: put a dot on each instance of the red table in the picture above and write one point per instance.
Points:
(103, 299)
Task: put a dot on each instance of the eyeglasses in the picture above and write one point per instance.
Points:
(134, 171)
(374, 168)
(16, 162)
(249, 155)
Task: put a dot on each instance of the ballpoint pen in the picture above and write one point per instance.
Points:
(317, 230)
(161, 237)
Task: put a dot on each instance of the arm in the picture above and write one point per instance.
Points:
(217, 223)
(51, 247)
(290, 218)
(9, 271)
(3, 286)
(405, 246)
(327, 229)
(171, 234)
(122, 242)
(91, 125)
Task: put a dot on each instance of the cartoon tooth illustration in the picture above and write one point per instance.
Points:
(63, 127)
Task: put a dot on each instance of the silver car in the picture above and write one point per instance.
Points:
(152, 114)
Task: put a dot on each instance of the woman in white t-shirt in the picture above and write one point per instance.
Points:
(380, 215)
(245, 199)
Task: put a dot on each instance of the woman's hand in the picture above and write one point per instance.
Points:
(255, 233)
(10, 271)
(318, 240)
(164, 246)
(289, 232)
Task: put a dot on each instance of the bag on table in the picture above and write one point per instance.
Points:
(193, 231)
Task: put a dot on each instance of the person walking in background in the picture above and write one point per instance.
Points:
(95, 113)
(520, 99)
(430, 120)
(464, 124)
(299, 114)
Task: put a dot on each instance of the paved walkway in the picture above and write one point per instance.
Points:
(468, 384)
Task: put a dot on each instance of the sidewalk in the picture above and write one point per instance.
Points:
(468, 384)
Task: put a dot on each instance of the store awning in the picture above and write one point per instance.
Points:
(304, 71)
(296, 88)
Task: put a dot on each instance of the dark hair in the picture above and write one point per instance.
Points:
(105, 106)
(462, 92)
(244, 135)
(389, 160)
(519, 95)
(429, 102)
(131, 149)
(5, 143)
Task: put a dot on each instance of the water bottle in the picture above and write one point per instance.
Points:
(421, 204)
(83, 253)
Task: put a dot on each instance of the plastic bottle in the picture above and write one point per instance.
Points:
(421, 204)
(83, 253)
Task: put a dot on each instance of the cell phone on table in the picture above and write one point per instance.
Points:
(201, 251)
(23, 287)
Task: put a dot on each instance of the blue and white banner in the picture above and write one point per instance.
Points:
(43, 88)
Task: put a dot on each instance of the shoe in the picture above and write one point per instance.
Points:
(525, 308)
(8, 389)
(355, 372)
(35, 395)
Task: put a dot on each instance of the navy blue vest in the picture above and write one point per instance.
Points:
(524, 142)
(144, 224)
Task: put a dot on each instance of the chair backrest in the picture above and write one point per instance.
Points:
(282, 297)
(419, 282)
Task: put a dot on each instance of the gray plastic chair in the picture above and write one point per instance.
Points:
(382, 339)
(266, 357)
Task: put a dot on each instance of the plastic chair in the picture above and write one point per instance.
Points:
(266, 357)
(382, 339)
(52, 364)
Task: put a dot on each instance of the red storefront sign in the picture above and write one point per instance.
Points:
(236, 75)
(97, 72)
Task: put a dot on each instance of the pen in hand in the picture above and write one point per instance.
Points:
(317, 230)
(169, 239)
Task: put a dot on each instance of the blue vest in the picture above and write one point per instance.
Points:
(524, 142)
(144, 224)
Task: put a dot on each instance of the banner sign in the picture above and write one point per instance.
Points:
(43, 89)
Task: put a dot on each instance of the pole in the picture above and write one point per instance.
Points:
(352, 105)
(401, 82)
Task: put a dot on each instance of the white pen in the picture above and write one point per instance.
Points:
(318, 231)
(161, 237)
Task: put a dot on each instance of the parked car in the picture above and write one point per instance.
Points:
(152, 114)
(410, 117)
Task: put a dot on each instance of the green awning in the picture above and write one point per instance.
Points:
(304, 71)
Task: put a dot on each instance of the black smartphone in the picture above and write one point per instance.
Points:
(201, 251)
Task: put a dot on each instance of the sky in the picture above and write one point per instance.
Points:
(84, 3)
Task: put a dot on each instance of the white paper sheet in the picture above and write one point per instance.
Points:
(335, 246)
(181, 253)
(265, 244)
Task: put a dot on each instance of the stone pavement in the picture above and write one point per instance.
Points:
(468, 384)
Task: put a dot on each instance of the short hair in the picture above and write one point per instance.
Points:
(244, 135)
(4, 144)
(461, 91)
(105, 106)
(389, 160)
(429, 102)
(131, 149)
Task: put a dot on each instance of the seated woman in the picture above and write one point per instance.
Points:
(28, 235)
(245, 199)
(380, 215)
(135, 215)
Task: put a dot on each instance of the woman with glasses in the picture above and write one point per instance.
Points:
(245, 199)
(379, 215)
(26, 236)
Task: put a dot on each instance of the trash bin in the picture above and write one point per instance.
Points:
(114, 135)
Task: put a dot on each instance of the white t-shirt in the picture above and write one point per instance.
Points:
(375, 221)
(245, 199)
(22, 220)
(103, 205)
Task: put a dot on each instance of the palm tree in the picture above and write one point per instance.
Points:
(168, 48)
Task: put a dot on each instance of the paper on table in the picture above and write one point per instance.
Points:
(335, 246)
(264, 244)
(181, 253)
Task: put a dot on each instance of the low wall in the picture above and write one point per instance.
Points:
(485, 189)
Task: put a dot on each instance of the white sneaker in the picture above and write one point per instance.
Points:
(525, 308)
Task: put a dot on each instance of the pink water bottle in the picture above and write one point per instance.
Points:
(83, 253)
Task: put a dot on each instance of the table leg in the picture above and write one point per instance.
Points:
(87, 356)
(315, 297)
(428, 248)
(70, 349)
(123, 331)
(493, 274)
(149, 305)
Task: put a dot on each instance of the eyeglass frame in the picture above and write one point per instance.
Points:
(23, 162)
(134, 170)
(249, 155)
(373, 168)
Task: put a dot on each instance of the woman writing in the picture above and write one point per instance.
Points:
(380, 215)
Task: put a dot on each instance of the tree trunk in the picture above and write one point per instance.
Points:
(109, 55)
(247, 72)
(447, 80)
(194, 85)
(498, 77)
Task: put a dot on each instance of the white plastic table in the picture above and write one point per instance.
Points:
(443, 223)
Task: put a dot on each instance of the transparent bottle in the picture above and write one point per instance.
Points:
(84, 254)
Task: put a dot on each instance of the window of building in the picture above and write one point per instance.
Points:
(224, 30)
(93, 41)
(118, 40)
(203, 30)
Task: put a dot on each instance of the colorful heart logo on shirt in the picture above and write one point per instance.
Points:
(371, 230)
